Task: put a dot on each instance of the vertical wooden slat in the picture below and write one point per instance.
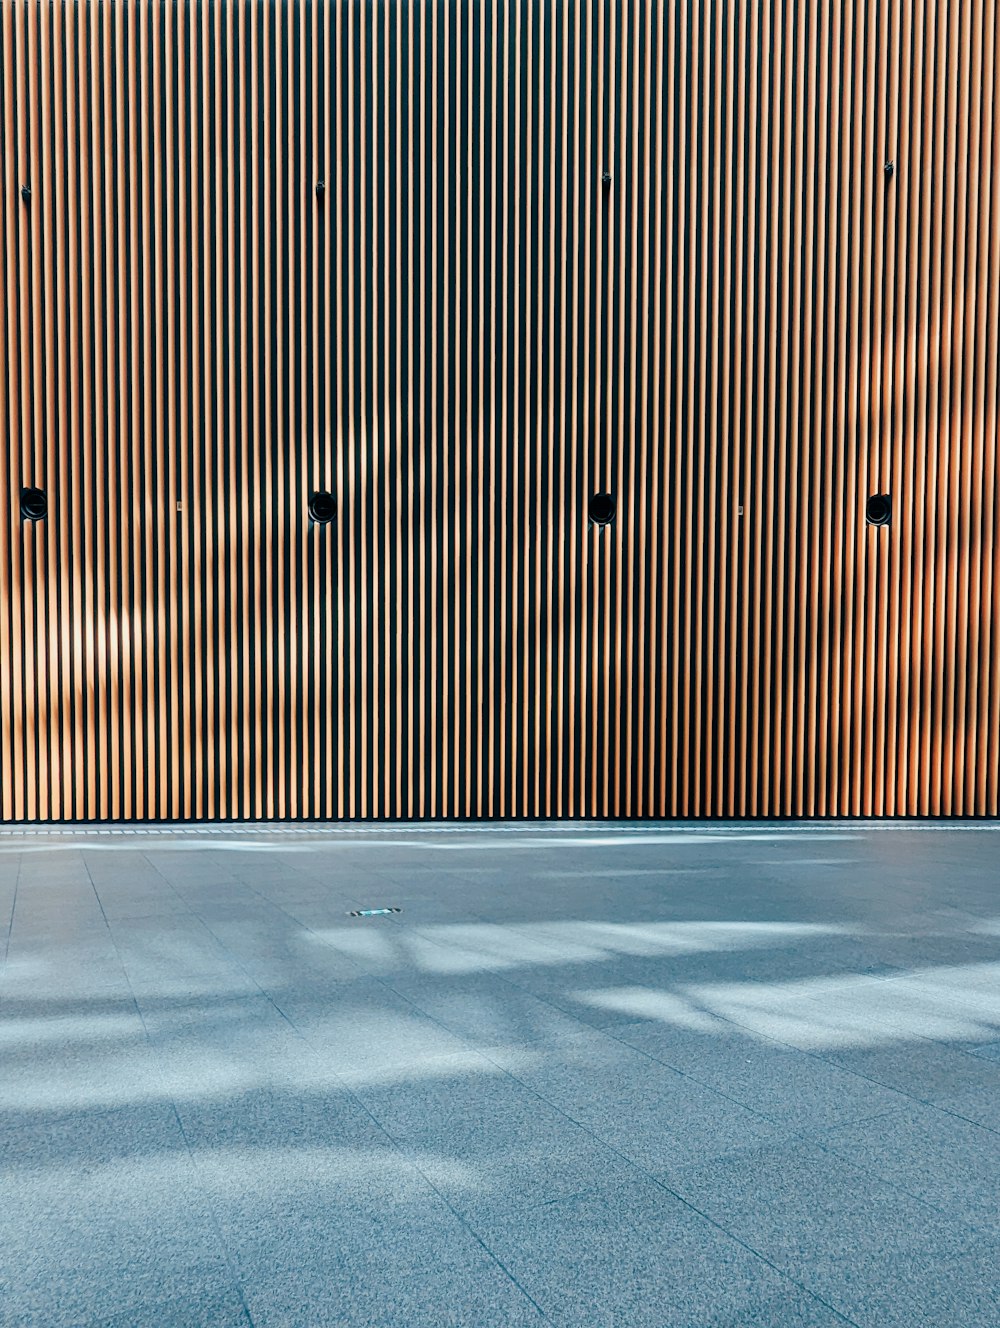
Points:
(894, 754)
(11, 785)
(52, 733)
(26, 360)
(64, 805)
(988, 718)
(737, 216)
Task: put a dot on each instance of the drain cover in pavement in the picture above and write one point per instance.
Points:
(373, 912)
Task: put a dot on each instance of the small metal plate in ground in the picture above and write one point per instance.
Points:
(373, 912)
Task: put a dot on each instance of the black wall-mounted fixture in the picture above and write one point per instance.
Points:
(878, 509)
(33, 504)
(322, 507)
(25, 193)
(602, 509)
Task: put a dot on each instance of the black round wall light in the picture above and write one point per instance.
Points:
(878, 509)
(322, 507)
(33, 504)
(602, 509)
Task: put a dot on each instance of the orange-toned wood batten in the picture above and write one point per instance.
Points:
(466, 265)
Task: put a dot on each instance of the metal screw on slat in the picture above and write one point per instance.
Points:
(25, 193)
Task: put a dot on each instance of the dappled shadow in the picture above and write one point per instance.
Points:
(224, 996)
(207, 1041)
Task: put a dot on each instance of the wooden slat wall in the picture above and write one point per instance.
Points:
(465, 331)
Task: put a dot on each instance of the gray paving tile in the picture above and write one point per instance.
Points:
(24, 976)
(266, 1192)
(10, 868)
(652, 1114)
(944, 1160)
(193, 1297)
(486, 1141)
(59, 940)
(485, 1009)
(956, 1004)
(214, 1308)
(974, 1104)
(327, 1221)
(233, 1022)
(801, 1090)
(820, 1015)
(312, 1112)
(161, 984)
(350, 947)
(33, 1142)
(797, 1204)
(102, 1217)
(276, 951)
(445, 907)
(696, 950)
(73, 1073)
(990, 1051)
(904, 1289)
(967, 992)
(397, 1275)
(183, 942)
(923, 1069)
(491, 947)
(150, 906)
(213, 1048)
(364, 1025)
(638, 1256)
(945, 948)
(33, 1022)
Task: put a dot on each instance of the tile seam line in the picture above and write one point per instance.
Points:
(475, 1047)
(237, 1281)
(661, 1184)
(826, 1060)
(343, 954)
(349, 1091)
(813, 1139)
(234, 1272)
(223, 1247)
(654, 1178)
(388, 983)
(805, 1138)
(13, 906)
(346, 1087)
(785, 1046)
(586, 1027)
(710, 1087)
(226, 949)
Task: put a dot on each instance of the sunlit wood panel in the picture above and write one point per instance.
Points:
(466, 266)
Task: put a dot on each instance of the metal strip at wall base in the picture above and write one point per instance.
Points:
(464, 266)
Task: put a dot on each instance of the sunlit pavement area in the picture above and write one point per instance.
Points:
(588, 1075)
